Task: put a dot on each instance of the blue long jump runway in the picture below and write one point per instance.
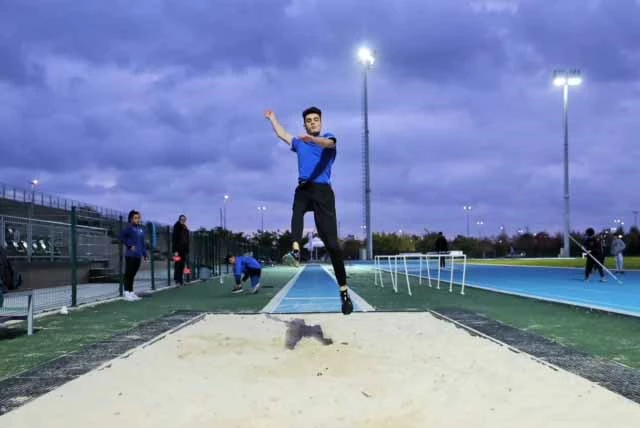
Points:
(561, 285)
(315, 290)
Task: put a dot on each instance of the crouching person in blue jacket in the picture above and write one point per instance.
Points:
(132, 237)
(245, 267)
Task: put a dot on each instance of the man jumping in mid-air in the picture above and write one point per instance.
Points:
(316, 153)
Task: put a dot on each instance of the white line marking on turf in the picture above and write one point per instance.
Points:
(362, 304)
(309, 298)
(277, 299)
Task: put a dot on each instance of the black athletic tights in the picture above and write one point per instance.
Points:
(131, 266)
(320, 199)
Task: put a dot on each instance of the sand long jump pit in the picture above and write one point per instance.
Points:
(325, 370)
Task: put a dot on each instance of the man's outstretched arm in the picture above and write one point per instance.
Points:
(278, 128)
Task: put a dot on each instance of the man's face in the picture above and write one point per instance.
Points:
(136, 219)
(183, 220)
(313, 124)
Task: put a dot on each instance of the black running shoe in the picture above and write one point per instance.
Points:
(347, 305)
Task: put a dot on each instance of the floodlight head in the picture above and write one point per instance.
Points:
(366, 56)
(567, 78)
(559, 81)
(226, 197)
(574, 81)
(34, 182)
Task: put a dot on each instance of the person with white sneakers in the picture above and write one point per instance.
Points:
(245, 267)
(617, 248)
(132, 237)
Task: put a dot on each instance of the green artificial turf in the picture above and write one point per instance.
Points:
(57, 335)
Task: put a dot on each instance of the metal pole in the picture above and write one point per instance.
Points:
(120, 259)
(567, 226)
(151, 229)
(169, 255)
(74, 258)
(635, 218)
(367, 175)
(467, 223)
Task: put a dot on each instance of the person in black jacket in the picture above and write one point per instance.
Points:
(180, 245)
(593, 245)
(441, 247)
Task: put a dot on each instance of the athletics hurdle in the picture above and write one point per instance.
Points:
(392, 262)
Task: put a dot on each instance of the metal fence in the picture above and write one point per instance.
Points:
(70, 263)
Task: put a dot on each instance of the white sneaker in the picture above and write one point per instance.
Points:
(255, 289)
(130, 296)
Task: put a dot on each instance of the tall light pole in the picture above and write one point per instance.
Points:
(635, 218)
(480, 223)
(262, 209)
(564, 79)
(367, 58)
(467, 209)
(33, 183)
(224, 211)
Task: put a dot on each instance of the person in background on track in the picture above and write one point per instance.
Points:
(617, 248)
(441, 247)
(132, 237)
(593, 245)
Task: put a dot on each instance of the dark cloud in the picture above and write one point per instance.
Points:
(158, 105)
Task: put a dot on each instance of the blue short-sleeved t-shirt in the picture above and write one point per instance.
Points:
(314, 162)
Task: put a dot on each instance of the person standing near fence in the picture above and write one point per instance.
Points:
(132, 237)
(180, 245)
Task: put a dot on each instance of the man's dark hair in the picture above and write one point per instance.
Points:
(590, 231)
(228, 258)
(311, 110)
(132, 213)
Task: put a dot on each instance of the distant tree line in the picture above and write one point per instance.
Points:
(274, 244)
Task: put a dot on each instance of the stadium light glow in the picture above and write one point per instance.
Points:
(366, 56)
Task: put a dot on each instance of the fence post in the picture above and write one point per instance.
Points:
(120, 257)
(74, 257)
(169, 255)
(151, 248)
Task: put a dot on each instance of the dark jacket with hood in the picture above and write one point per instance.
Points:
(180, 238)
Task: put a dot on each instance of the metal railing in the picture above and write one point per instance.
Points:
(36, 197)
(28, 238)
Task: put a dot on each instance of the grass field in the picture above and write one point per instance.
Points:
(608, 336)
(578, 262)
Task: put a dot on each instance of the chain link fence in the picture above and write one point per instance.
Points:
(74, 257)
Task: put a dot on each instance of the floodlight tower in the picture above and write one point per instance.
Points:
(564, 79)
(367, 57)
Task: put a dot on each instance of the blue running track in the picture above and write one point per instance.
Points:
(562, 285)
(314, 290)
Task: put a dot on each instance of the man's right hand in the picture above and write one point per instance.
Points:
(269, 114)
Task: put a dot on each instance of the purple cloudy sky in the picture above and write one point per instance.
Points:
(158, 105)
